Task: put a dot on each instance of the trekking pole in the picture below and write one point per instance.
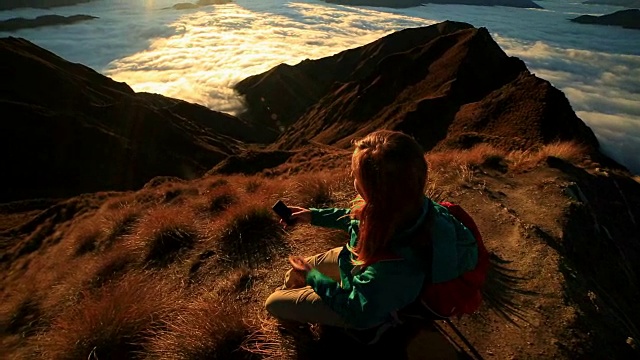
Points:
(464, 339)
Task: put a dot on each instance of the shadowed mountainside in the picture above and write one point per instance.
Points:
(68, 129)
(44, 20)
(629, 19)
(449, 85)
(39, 4)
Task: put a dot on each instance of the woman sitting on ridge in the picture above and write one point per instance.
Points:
(398, 237)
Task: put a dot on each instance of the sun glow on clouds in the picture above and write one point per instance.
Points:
(214, 49)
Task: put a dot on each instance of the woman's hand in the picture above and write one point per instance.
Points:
(299, 263)
(298, 275)
(298, 215)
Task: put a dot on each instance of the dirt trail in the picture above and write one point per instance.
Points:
(513, 213)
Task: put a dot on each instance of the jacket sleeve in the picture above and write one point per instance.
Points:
(367, 299)
(331, 218)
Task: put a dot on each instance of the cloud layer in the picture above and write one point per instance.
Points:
(198, 55)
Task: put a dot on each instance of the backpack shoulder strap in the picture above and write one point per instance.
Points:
(483, 255)
(459, 213)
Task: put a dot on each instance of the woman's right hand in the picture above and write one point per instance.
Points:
(299, 215)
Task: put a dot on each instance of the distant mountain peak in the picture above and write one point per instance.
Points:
(438, 83)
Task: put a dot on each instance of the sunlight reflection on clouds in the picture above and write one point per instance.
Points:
(219, 48)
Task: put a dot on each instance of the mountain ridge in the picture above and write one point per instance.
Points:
(93, 133)
(451, 75)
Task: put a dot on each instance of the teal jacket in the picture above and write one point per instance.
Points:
(366, 297)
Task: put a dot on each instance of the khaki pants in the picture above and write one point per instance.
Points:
(302, 304)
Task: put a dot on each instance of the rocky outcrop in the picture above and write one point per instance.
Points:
(67, 129)
(412, 3)
(629, 19)
(39, 4)
(625, 3)
(44, 20)
(449, 85)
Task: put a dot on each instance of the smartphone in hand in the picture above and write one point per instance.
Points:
(284, 212)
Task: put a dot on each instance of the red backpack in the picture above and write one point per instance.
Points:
(462, 295)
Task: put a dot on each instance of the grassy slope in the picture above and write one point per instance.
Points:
(179, 270)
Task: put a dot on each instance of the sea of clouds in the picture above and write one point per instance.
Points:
(199, 54)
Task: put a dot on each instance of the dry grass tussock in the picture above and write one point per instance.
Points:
(208, 328)
(100, 232)
(267, 341)
(114, 323)
(250, 236)
(319, 190)
(21, 314)
(216, 200)
(568, 151)
(315, 190)
(164, 233)
(489, 156)
(108, 267)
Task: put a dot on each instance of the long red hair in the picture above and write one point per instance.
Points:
(391, 171)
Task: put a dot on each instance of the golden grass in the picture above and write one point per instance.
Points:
(91, 299)
(216, 200)
(120, 222)
(109, 267)
(21, 314)
(164, 233)
(85, 238)
(236, 281)
(568, 151)
(314, 190)
(252, 185)
(267, 342)
(472, 157)
(462, 161)
(214, 183)
(115, 323)
(208, 328)
(251, 235)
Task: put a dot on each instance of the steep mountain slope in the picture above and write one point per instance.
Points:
(68, 129)
(448, 85)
